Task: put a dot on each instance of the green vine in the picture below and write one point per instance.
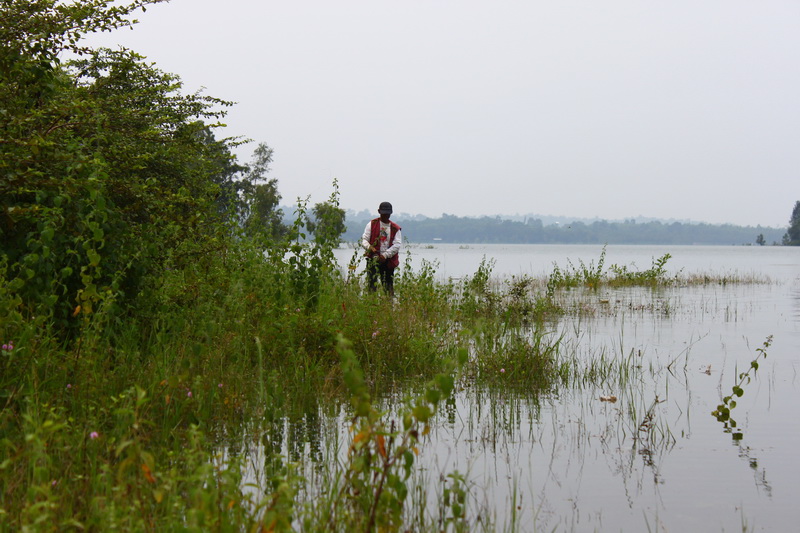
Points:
(723, 410)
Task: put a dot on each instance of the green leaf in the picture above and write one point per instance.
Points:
(422, 413)
(433, 395)
(408, 456)
(446, 383)
(94, 257)
(463, 356)
(121, 447)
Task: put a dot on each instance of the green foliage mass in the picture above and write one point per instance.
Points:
(255, 198)
(109, 175)
(329, 220)
(107, 170)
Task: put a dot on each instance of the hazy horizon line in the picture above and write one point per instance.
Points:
(557, 219)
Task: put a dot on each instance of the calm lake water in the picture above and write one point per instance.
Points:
(576, 463)
(456, 260)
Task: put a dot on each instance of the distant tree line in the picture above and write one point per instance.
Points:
(467, 230)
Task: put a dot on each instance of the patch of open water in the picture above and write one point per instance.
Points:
(581, 464)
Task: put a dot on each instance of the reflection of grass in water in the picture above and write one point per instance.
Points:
(631, 427)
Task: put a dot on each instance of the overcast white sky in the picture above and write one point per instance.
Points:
(679, 109)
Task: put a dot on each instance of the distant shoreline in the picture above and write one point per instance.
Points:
(496, 230)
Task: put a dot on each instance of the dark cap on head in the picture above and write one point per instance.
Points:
(385, 208)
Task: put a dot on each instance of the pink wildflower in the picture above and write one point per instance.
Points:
(502, 370)
(93, 435)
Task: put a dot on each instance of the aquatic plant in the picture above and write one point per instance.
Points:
(478, 297)
(723, 411)
(655, 275)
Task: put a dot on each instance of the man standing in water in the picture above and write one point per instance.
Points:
(382, 241)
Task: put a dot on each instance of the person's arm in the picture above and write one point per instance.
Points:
(394, 249)
(365, 244)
